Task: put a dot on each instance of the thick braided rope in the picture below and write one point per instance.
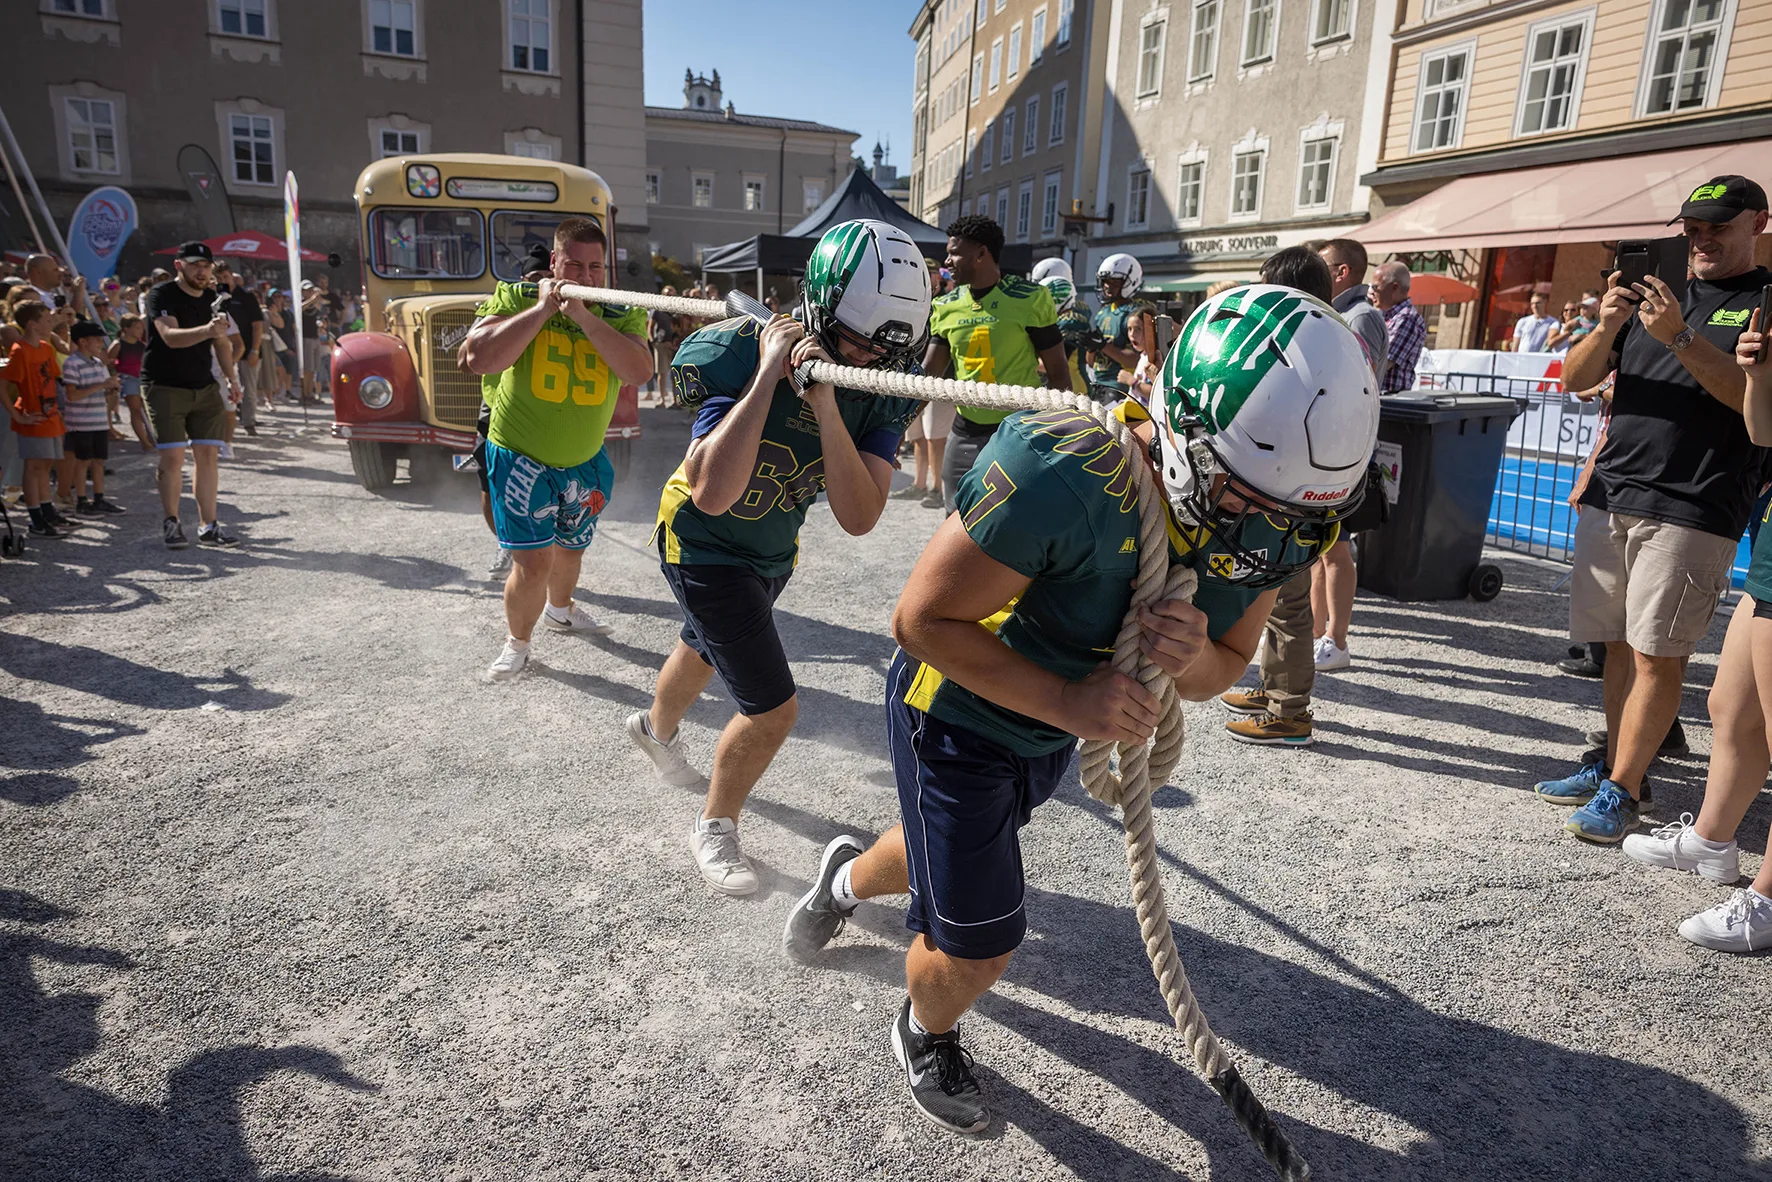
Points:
(676, 305)
(1141, 766)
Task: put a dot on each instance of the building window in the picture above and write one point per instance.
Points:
(1008, 135)
(1014, 66)
(1190, 187)
(703, 189)
(986, 146)
(1024, 210)
(531, 35)
(395, 142)
(533, 150)
(1138, 197)
(1060, 95)
(984, 10)
(1049, 205)
(652, 188)
(811, 195)
(971, 150)
(1246, 170)
(1030, 136)
(753, 194)
(1202, 54)
(977, 79)
(984, 205)
(1316, 173)
(996, 64)
(1037, 37)
(1065, 10)
(1332, 20)
(1439, 111)
(1258, 31)
(393, 27)
(1001, 4)
(1002, 207)
(242, 18)
(251, 149)
(79, 7)
(1683, 60)
(1150, 58)
(92, 135)
(1556, 57)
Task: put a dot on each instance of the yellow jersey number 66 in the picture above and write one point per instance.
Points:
(563, 365)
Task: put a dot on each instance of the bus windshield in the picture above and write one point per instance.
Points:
(515, 231)
(427, 243)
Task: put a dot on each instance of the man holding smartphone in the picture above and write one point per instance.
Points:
(1671, 492)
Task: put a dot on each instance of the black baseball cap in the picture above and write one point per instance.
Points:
(1722, 199)
(538, 258)
(84, 329)
(200, 250)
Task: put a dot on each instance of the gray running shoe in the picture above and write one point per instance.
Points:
(816, 919)
(940, 1074)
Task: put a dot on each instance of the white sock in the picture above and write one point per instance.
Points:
(559, 613)
(1715, 847)
(1760, 897)
(519, 645)
(842, 891)
(916, 1026)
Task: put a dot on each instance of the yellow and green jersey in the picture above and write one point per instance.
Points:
(555, 404)
(996, 336)
(761, 531)
(1073, 326)
(1051, 496)
(1110, 322)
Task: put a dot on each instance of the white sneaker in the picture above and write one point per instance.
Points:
(501, 563)
(673, 766)
(1741, 923)
(577, 620)
(1330, 656)
(715, 846)
(1676, 847)
(509, 662)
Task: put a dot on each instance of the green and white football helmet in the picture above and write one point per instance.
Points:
(1266, 407)
(1053, 268)
(1064, 296)
(866, 283)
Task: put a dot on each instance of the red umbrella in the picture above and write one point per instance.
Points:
(1439, 289)
(252, 245)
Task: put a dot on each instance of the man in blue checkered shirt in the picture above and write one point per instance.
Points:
(1408, 331)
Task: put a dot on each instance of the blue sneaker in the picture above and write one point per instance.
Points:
(1576, 789)
(1606, 818)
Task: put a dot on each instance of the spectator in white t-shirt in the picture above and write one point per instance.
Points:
(1532, 332)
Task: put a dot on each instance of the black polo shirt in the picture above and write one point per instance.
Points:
(1673, 453)
(244, 307)
(187, 367)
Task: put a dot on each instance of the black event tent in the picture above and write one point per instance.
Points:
(857, 197)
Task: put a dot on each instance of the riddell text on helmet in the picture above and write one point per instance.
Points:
(1338, 494)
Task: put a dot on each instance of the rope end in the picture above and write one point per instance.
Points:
(1259, 1124)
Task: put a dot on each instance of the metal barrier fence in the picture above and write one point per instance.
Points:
(1547, 445)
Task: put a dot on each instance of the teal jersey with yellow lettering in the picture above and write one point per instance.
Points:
(761, 531)
(1051, 497)
(1110, 322)
(555, 404)
(988, 336)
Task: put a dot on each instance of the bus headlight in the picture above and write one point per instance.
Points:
(375, 393)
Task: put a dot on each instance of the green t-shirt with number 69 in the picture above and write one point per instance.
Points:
(555, 404)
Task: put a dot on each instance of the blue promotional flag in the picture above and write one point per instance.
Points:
(101, 224)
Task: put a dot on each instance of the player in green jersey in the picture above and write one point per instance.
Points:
(560, 364)
(729, 520)
(1007, 622)
(1118, 279)
(992, 328)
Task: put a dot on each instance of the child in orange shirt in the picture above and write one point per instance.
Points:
(27, 385)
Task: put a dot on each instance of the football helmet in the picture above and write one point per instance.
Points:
(866, 283)
(1126, 269)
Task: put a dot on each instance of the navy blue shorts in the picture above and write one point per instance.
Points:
(964, 799)
(729, 620)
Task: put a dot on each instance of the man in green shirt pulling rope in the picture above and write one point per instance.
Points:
(992, 328)
(560, 364)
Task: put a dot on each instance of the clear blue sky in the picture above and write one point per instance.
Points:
(842, 62)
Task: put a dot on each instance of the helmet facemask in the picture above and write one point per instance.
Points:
(894, 344)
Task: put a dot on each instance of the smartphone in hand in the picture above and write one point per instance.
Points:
(1765, 325)
(1639, 258)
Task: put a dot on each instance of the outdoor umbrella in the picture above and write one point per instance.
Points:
(253, 246)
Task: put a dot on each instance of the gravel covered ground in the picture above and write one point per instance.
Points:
(289, 892)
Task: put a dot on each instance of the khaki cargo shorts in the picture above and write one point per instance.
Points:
(1650, 584)
(933, 423)
(182, 417)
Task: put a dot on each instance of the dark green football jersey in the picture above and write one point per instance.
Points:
(988, 337)
(1111, 323)
(762, 531)
(1051, 497)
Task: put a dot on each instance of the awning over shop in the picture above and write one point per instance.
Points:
(1588, 201)
(1169, 285)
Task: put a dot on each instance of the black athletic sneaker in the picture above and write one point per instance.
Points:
(174, 533)
(85, 508)
(41, 528)
(940, 1074)
(816, 919)
(212, 535)
(107, 507)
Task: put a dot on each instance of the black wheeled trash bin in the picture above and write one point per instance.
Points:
(1448, 450)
